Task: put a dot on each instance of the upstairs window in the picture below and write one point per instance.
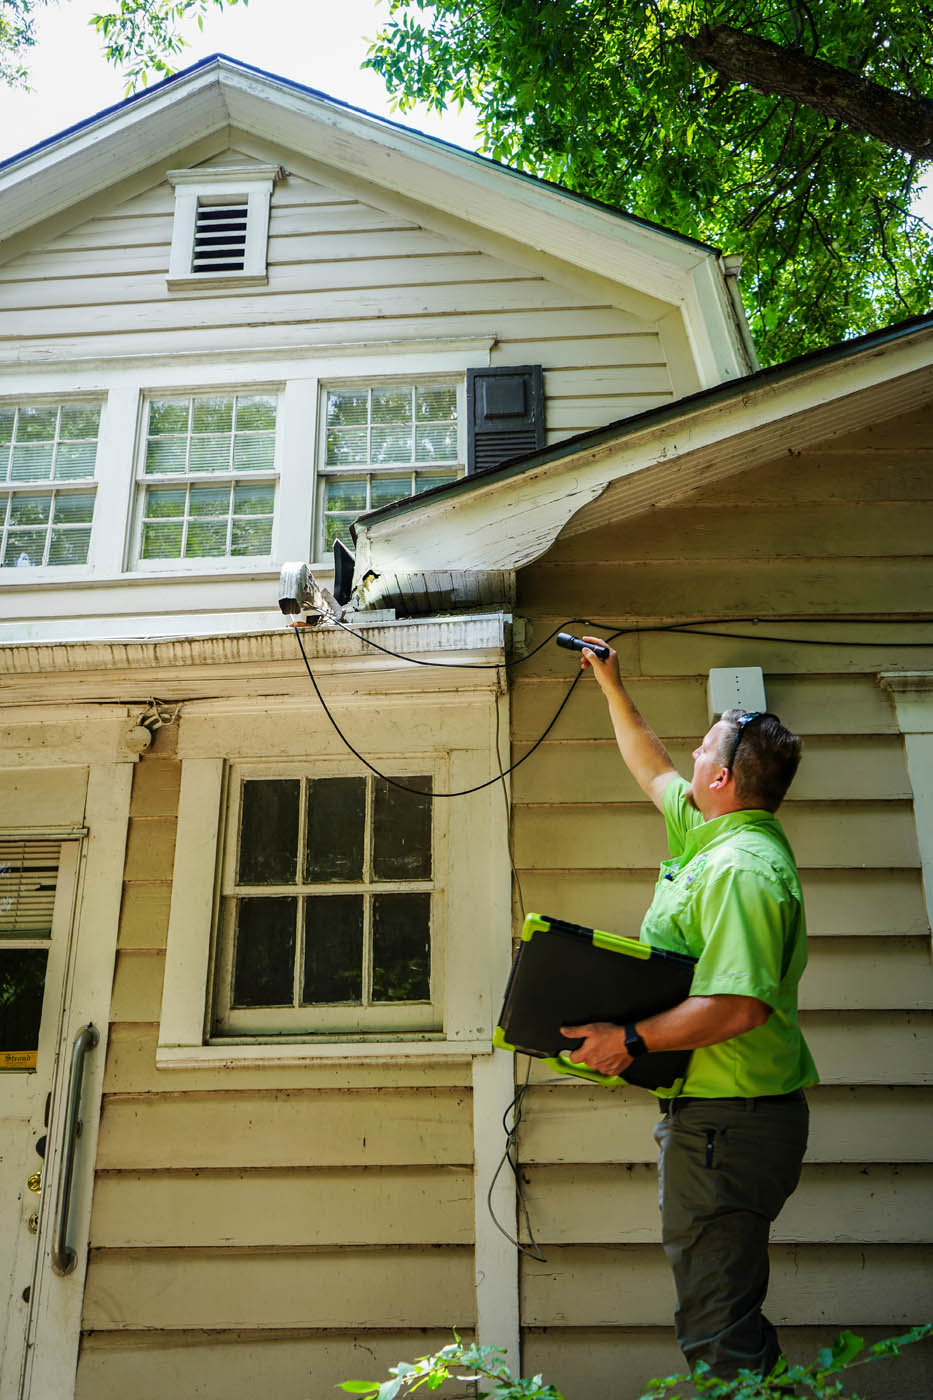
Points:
(381, 443)
(326, 921)
(221, 227)
(48, 454)
(208, 478)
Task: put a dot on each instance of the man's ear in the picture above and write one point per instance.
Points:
(721, 780)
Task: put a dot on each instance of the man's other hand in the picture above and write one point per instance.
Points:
(603, 1046)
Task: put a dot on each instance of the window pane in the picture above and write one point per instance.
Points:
(206, 539)
(401, 947)
(80, 420)
(165, 501)
(162, 541)
(425, 480)
(385, 489)
(333, 949)
(348, 448)
(269, 832)
(74, 507)
(212, 415)
(75, 460)
(32, 461)
(253, 500)
(30, 510)
(391, 445)
(347, 409)
(209, 500)
(251, 537)
(210, 454)
(436, 405)
(22, 982)
(69, 546)
(24, 549)
(36, 424)
(337, 528)
(336, 816)
(345, 493)
(437, 444)
(255, 412)
(254, 453)
(392, 406)
(402, 830)
(166, 455)
(264, 970)
(7, 416)
(168, 416)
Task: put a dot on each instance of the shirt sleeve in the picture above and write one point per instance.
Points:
(679, 814)
(746, 919)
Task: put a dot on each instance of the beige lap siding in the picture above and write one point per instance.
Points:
(841, 532)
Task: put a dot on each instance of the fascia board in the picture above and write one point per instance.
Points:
(97, 156)
(515, 519)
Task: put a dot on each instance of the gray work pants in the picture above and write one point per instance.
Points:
(725, 1169)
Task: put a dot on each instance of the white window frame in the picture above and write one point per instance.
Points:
(40, 573)
(475, 923)
(215, 563)
(365, 471)
(254, 183)
(385, 1019)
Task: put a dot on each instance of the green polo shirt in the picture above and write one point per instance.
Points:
(730, 896)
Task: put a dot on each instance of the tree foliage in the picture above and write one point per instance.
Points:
(140, 36)
(17, 35)
(618, 100)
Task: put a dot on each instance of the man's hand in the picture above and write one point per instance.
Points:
(603, 1046)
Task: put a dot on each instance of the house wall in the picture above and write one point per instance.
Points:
(839, 532)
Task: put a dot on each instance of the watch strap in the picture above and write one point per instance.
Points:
(633, 1042)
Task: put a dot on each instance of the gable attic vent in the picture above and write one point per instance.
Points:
(220, 236)
(505, 412)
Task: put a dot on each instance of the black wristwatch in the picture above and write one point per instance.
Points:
(634, 1043)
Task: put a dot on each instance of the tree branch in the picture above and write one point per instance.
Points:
(905, 123)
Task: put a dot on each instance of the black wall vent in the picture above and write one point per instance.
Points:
(505, 412)
(220, 237)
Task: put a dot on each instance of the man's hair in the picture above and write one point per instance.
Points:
(765, 761)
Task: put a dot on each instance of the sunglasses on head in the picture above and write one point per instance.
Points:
(743, 721)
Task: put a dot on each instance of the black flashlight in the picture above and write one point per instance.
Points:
(572, 643)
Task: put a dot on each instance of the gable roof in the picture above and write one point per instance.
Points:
(221, 94)
(497, 521)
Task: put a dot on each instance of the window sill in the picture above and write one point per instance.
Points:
(235, 1052)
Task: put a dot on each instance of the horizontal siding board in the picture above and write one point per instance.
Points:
(137, 985)
(864, 903)
(169, 1288)
(593, 771)
(756, 531)
(677, 707)
(144, 914)
(150, 848)
(131, 1069)
(738, 587)
(237, 1365)
(863, 1047)
(614, 1361)
(284, 1128)
(262, 1209)
(582, 835)
(636, 347)
(853, 1204)
(846, 1285)
(865, 1124)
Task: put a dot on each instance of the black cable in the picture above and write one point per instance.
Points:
(405, 787)
(509, 1156)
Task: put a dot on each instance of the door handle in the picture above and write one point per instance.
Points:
(64, 1258)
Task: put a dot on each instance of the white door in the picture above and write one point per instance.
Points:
(38, 881)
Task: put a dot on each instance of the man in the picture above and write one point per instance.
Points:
(732, 1143)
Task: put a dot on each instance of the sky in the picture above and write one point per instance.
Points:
(317, 42)
(320, 43)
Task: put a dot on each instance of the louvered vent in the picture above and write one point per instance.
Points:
(28, 877)
(505, 414)
(220, 237)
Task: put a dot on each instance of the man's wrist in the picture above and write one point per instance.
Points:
(633, 1041)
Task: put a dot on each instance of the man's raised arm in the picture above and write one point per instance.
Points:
(644, 755)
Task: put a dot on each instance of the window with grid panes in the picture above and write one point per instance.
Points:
(28, 880)
(48, 454)
(381, 443)
(326, 920)
(208, 477)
